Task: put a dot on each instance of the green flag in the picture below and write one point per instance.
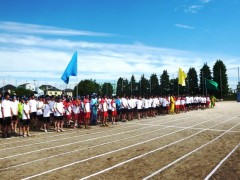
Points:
(210, 84)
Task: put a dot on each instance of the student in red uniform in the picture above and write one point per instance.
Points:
(68, 111)
(87, 111)
(104, 109)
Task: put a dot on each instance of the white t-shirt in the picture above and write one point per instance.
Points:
(139, 104)
(46, 110)
(26, 108)
(113, 105)
(51, 104)
(15, 108)
(0, 110)
(124, 103)
(40, 105)
(6, 105)
(69, 110)
(59, 109)
(76, 109)
(33, 105)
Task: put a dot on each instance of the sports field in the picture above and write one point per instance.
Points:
(195, 145)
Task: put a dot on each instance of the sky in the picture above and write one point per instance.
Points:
(115, 38)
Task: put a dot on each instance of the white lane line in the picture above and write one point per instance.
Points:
(150, 125)
(186, 155)
(221, 162)
(55, 140)
(77, 150)
(150, 152)
(61, 134)
(127, 147)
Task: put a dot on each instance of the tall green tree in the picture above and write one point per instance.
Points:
(205, 72)
(193, 81)
(220, 76)
(164, 84)
(143, 86)
(87, 86)
(107, 89)
(154, 85)
(133, 86)
(119, 90)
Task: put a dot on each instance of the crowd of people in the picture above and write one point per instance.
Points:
(19, 115)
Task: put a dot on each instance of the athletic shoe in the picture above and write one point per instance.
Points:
(45, 130)
(29, 135)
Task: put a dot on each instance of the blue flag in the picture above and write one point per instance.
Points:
(71, 69)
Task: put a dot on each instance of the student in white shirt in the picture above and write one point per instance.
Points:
(40, 105)
(26, 118)
(46, 115)
(6, 116)
(139, 107)
(33, 110)
(14, 114)
(59, 111)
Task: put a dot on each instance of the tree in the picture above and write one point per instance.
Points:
(154, 85)
(193, 81)
(205, 72)
(87, 86)
(165, 83)
(119, 90)
(107, 89)
(220, 76)
(133, 86)
(174, 86)
(143, 86)
(20, 91)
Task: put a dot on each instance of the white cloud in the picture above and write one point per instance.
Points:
(47, 30)
(193, 9)
(184, 26)
(205, 1)
(31, 57)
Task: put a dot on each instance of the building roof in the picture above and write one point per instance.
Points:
(68, 90)
(48, 88)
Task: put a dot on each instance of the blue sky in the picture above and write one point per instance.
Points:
(115, 38)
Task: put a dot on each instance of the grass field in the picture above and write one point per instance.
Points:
(195, 145)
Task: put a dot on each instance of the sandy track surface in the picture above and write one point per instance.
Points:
(193, 145)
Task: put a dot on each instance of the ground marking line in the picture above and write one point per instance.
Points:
(62, 134)
(186, 155)
(77, 150)
(221, 162)
(63, 145)
(174, 126)
(127, 147)
(54, 140)
(142, 155)
(91, 146)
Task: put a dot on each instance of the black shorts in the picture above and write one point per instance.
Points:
(14, 118)
(52, 115)
(139, 110)
(46, 119)
(109, 112)
(124, 110)
(33, 115)
(40, 117)
(26, 122)
(118, 111)
(58, 118)
(1, 121)
(7, 121)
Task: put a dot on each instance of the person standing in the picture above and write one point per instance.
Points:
(14, 115)
(26, 118)
(6, 116)
(33, 110)
(87, 111)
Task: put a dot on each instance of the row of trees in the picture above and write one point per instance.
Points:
(164, 86)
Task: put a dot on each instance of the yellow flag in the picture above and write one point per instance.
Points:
(181, 77)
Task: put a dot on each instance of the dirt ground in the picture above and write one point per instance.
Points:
(182, 146)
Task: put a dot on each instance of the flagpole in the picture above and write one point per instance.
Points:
(77, 87)
(203, 82)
